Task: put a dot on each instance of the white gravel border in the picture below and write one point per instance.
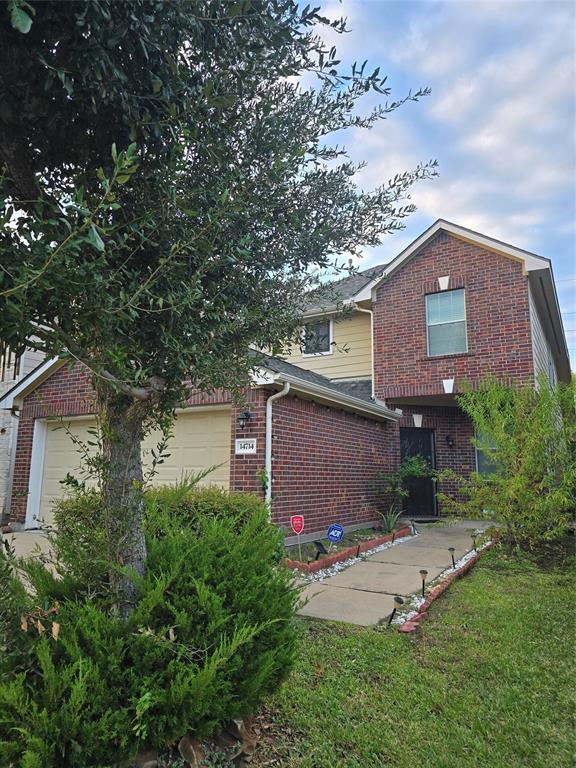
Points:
(332, 570)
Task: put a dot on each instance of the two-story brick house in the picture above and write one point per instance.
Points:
(315, 429)
(454, 307)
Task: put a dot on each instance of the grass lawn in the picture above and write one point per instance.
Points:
(489, 681)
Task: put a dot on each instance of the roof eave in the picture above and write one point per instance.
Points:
(332, 397)
(13, 398)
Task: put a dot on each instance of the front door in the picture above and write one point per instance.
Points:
(421, 499)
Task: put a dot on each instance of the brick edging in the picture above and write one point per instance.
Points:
(411, 625)
(347, 553)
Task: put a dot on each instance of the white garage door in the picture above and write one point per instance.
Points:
(201, 440)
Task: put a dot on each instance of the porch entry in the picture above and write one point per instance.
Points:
(421, 499)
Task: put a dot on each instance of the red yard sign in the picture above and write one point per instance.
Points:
(297, 523)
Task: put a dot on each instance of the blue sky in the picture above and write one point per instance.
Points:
(500, 119)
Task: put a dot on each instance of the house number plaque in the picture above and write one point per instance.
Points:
(245, 446)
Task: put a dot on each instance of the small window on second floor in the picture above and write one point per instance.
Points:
(318, 337)
(446, 323)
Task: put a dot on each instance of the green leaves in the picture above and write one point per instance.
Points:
(21, 19)
(95, 240)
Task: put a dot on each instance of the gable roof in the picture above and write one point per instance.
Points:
(327, 297)
(537, 269)
(530, 261)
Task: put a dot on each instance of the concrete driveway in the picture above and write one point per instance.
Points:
(364, 593)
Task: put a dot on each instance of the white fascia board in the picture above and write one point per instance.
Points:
(15, 395)
(261, 376)
(530, 261)
(331, 396)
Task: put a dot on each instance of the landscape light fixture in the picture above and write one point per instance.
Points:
(398, 603)
(320, 549)
(452, 550)
(473, 535)
(450, 441)
(244, 418)
(423, 574)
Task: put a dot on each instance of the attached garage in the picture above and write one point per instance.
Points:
(201, 440)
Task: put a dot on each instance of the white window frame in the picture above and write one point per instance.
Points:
(465, 321)
(330, 350)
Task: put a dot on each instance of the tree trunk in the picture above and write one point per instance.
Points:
(122, 421)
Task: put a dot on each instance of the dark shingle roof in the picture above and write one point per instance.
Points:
(360, 389)
(340, 290)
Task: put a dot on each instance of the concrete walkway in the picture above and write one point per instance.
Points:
(364, 593)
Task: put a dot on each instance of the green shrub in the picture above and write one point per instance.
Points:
(211, 634)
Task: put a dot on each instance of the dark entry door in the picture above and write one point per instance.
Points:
(421, 499)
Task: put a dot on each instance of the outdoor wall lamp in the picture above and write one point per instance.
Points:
(244, 418)
(450, 441)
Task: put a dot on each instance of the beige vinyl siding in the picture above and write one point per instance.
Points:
(541, 349)
(351, 333)
(201, 440)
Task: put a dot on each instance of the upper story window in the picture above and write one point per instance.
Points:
(446, 323)
(318, 337)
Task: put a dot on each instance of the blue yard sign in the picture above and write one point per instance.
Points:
(335, 532)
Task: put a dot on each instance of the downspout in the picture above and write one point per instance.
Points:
(268, 454)
(371, 313)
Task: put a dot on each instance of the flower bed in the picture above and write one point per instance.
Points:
(345, 554)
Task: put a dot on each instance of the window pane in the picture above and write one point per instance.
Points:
(447, 339)
(445, 307)
(317, 337)
(486, 466)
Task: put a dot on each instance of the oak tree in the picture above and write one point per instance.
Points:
(170, 188)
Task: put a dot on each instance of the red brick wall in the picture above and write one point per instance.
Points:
(246, 471)
(461, 457)
(68, 392)
(323, 460)
(497, 314)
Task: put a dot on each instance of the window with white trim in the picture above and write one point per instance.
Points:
(485, 464)
(446, 323)
(318, 337)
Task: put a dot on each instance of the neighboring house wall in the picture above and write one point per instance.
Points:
(542, 350)
(497, 314)
(351, 355)
(12, 370)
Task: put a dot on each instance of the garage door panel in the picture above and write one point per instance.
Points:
(201, 440)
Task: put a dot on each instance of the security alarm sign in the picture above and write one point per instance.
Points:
(297, 523)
